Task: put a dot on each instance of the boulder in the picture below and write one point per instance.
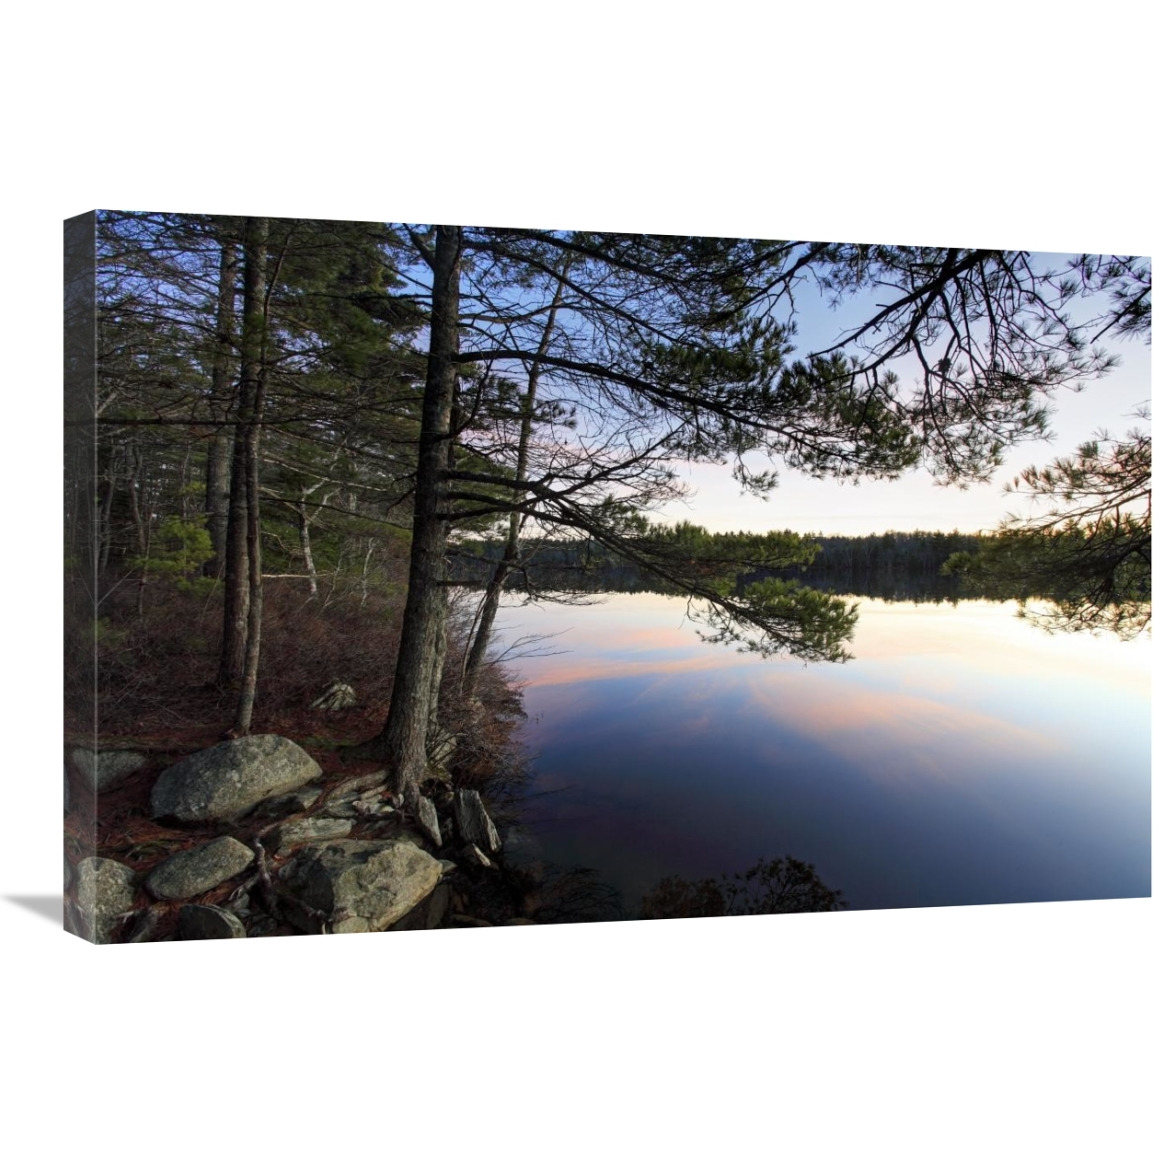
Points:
(371, 803)
(230, 779)
(103, 768)
(472, 854)
(105, 892)
(358, 886)
(411, 836)
(288, 803)
(428, 915)
(359, 785)
(426, 817)
(197, 922)
(473, 821)
(307, 829)
(195, 871)
(143, 928)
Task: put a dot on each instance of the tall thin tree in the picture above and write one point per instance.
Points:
(401, 743)
(238, 656)
(491, 600)
(218, 465)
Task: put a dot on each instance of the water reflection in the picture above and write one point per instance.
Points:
(961, 758)
(781, 886)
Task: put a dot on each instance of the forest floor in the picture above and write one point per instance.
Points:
(156, 694)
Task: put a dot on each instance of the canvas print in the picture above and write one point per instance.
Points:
(441, 577)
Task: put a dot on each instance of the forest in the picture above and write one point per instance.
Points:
(905, 564)
(291, 431)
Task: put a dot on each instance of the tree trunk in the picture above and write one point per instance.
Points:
(102, 518)
(365, 570)
(253, 337)
(236, 587)
(218, 468)
(256, 592)
(437, 665)
(135, 486)
(307, 548)
(401, 744)
(237, 572)
(512, 554)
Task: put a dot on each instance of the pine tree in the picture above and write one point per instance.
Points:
(667, 349)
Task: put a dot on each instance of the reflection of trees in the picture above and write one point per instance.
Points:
(727, 591)
(1087, 554)
(918, 588)
(885, 567)
(783, 885)
(571, 894)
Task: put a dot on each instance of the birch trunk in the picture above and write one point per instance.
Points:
(307, 548)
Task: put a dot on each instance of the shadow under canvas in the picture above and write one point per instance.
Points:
(48, 906)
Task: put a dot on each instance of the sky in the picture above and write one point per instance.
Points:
(914, 501)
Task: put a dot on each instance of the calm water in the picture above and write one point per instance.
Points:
(962, 757)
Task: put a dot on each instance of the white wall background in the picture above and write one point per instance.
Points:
(1000, 1028)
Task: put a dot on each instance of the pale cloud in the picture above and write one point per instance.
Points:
(592, 668)
(897, 737)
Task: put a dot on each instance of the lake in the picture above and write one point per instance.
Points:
(962, 757)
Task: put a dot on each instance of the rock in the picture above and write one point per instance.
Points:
(66, 789)
(371, 803)
(198, 922)
(262, 926)
(288, 803)
(144, 927)
(473, 821)
(103, 768)
(447, 866)
(73, 923)
(410, 836)
(466, 920)
(472, 854)
(240, 905)
(195, 871)
(362, 784)
(386, 827)
(428, 915)
(230, 779)
(105, 892)
(359, 886)
(426, 817)
(67, 873)
(337, 696)
(307, 829)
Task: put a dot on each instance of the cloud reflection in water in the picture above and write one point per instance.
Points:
(961, 758)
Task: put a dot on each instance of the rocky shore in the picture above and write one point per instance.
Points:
(253, 838)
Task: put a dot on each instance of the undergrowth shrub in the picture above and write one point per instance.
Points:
(155, 671)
